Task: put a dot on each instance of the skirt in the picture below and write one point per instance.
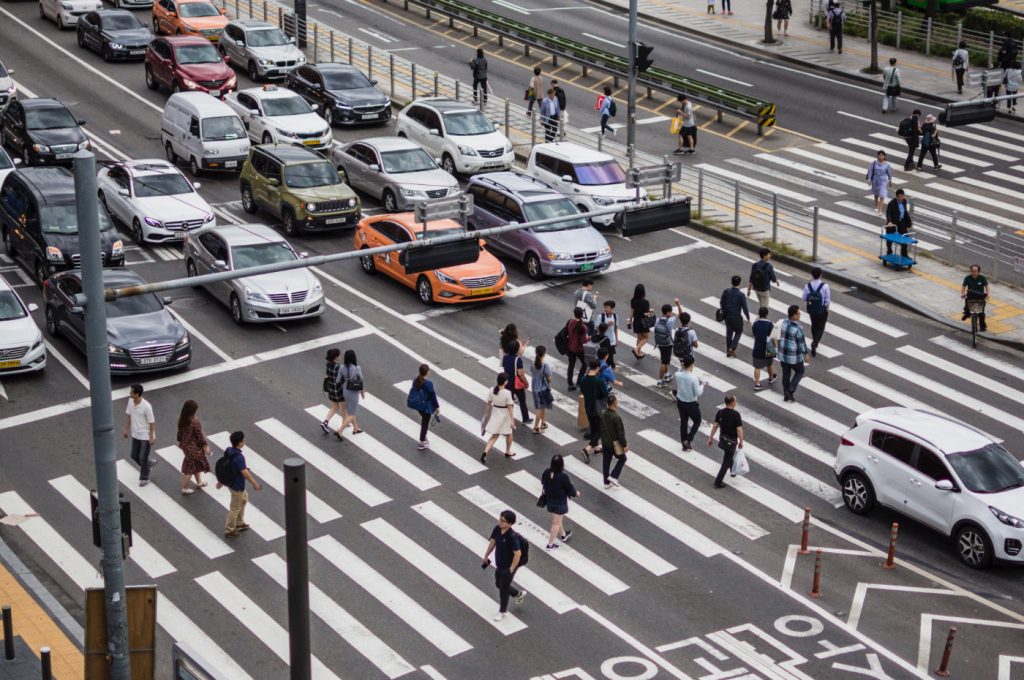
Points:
(559, 508)
(334, 393)
(762, 363)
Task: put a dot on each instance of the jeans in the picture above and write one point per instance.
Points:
(140, 454)
(792, 374)
(727, 454)
(835, 39)
(606, 464)
(503, 581)
(604, 123)
(424, 424)
(480, 83)
(733, 331)
(236, 510)
(573, 358)
(818, 322)
(688, 410)
(594, 431)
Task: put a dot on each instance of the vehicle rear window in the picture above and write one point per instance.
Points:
(63, 219)
(988, 470)
(134, 305)
(604, 172)
(197, 54)
(49, 118)
(542, 210)
(10, 308)
(222, 128)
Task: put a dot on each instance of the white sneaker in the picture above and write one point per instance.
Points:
(608, 485)
(614, 481)
(143, 482)
(500, 616)
(521, 597)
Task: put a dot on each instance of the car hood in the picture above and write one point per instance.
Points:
(57, 136)
(6, 82)
(130, 36)
(276, 52)
(280, 282)
(68, 243)
(425, 179)
(132, 331)
(301, 122)
(333, 192)
(485, 265)
(583, 240)
(18, 332)
(172, 208)
(490, 140)
(1011, 502)
(362, 96)
(211, 71)
(203, 23)
(616, 191)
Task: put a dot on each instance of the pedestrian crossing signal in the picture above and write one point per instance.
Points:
(643, 57)
(968, 114)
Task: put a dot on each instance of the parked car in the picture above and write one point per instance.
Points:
(273, 115)
(22, 349)
(188, 17)
(299, 187)
(7, 164)
(204, 132)
(457, 133)
(592, 179)
(559, 249)
(66, 12)
(153, 199)
(185, 63)
(114, 34)
(345, 96)
(42, 131)
(393, 169)
(142, 336)
(940, 471)
(39, 221)
(485, 279)
(261, 48)
(8, 91)
(294, 294)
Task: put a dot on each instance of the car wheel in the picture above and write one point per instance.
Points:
(533, 269)
(267, 139)
(236, 310)
(137, 234)
(973, 547)
(858, 495)
(448, 164)
(248, 204)
(366, 261)
(169, 154)
(42, 271)
(8, 245)
(150, 80)
(288, 218)
(51, 323)
(425, 290)
(193, 166)
(254, 74)
(390, 202)
(190, 270)
(329, 116)
(60, 23)
(106, 54)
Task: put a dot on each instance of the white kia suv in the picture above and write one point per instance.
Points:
(457, 133)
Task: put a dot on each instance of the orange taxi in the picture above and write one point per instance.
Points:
(188, 17)
(484, 279)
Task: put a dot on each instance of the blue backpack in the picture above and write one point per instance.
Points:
(815, 300)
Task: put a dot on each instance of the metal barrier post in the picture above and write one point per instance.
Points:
(997, 253)
(507, 128)
(46, 665)
(959, 31)
(435, 83)
(600, 142)
(700, 193)
(899, 28)
(457, 88)
(952, 239)
(631, 154)
(736, 207)
(414, 80)
(316, 41)
(331, 35)
(264, 11)
(775, 217)
(561, 129)
(280, 17)
(350, 49)
(928, 37)
(991, 45)
(250, 8)
(814, 237)
(391, 74)
(369, 61)
(8, 634)
(533, 130)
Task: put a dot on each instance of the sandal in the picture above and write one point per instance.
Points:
(544, 426)
(356, 431)
(510, 455)
(202, 484)
(338, 435)
(483, 457)
(187, 492)
(636, 354)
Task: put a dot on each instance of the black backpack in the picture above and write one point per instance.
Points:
(958, 60)
(223, 470)
(611, 109)
(562, 340)
(758, 276)
(681, 345)
(906, 128)
(524, 551)
(815, 300)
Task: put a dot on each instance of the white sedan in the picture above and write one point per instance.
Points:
(153, 199)
(22, 349)
(274, 115)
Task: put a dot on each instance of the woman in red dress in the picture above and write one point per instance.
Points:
(193, 443)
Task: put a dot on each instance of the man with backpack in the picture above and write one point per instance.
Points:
(834, 21)
(610, 319)
(762, 276)
(910, 131)
(664, 326)
(818, 297)
(960, 64)
(733, 306)
(511, 551)
(586, 299)
(232, 472)
(687, 392)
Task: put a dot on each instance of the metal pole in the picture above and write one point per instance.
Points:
(46, 667)
(928, 37)
(350, 50)
(952, 238)
(959, 31)
(814, 241)
(736, 207)
(874, 36)
(112, 563)
(533, 131)
(300, 22)
(436, 79)
(507, 127)
(413, 80)
(8, 634)
(997, 253)
(700, 193)
(631, 84)
(899, 28)
(391, 73)
(298, 568)
(369, 61)
(331, 34)
(991, 45)
(775, 218)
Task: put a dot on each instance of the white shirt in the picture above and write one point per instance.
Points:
(141, 417)
(965, 54)
(610, 320)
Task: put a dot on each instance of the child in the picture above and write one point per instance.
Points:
(711, 6)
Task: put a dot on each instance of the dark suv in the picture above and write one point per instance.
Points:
(39, 222)
(43, 131)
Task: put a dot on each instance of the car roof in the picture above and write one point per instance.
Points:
(408, 220)
(111, 275)
(572, 152)
(445, 104)
(253, 24)
(53, 184)
(388, 143)
(270, 92)
(334, 66)
(42, 103)
(944, 432)
(287, 153)
(111, 11)
(247, 234)
(149, 166)
(526, 188)
(202, 103)
(181, 40)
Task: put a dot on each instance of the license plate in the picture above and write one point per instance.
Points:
(137, 53)
(231, 164)
(292, 310)
(370, 116)
(214, 93)
(178, 236)
(62, 156)
(10, 364)
(336, 220)
(149, 361)
(587, 267)
(311, 142)
(482, 291)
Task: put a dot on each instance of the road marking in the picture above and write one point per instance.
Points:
(928, 623)
(75, 373)
(376, 34)
(823, 157)
(986, 358)
(859, 595)
(975, 149)
(969, 160)
(202, 338)
(1001, 390)
(604, 40)
(766, 186)
(512, 6)
(955, 205)
(727, 78)
(746, 339)
(810, 170)
(863, 226)
(855, 316)
(894, 154)
(785, 177)
(871, 385)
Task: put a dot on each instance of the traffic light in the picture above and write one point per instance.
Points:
(643, 57)
(968, 114)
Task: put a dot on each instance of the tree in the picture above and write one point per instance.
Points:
(768, 37)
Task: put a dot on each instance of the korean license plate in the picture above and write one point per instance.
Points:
(292, 310)
(178, 236)
(62, 156)
(311, 142)
(149, 361)
(370, 116)
(482, 291)
(214, 93)
(10, 364)
(587, 267)
(336, 220)
(231, 164)
(137, 53)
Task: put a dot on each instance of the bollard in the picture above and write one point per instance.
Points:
(414, 80)
(350, 50)
(899, 28)
(533, 130)
(700, 193)
(507, 126)
(952, 238)
(775, 239)
(805, 534)
(436, 76)
(816, 588)
(331, 35)
(458, 94)
(991, 45)
(8, 634)
(736, 207)
(814, 236)
(391, 72)
(928, 37)
(44, 658)
(889, 560)
(943, 670)
(369, 62)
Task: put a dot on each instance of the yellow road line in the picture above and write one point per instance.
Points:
(736, 129)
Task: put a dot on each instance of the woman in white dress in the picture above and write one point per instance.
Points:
(498, 417)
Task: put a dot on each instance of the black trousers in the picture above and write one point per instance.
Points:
(594, 431)
(967, 311)
(727, 455)
(550, 128)
(912, 143)
(606, 464)
(688, 410)
(424, 424)
(573, 358)
(140, 454)
(835, 39)
(818, 322)
(733, 331)
(792, 374)
(888, 244)
(503, 581)
(933, 150)
(960, 79)
(520, 396)
(480, 83)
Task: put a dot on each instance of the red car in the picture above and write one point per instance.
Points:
(183, 62)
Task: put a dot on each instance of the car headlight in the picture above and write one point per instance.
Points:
(264, 62)
(604, 251)
(559, 256)
(467, 150)
(311, 207)
(352, 202)
(190, 84)
(66, 6)
(286, 133)
(326, 132)
(254, 295)
(183, 342)
(117, 248)
(53, 254)
(301, 59)
(317, 289)
(443, 278)
(114, 349)
(209, 218)
(85, 145)
(191, 29)
(10, 90)
(342, 107)
(413, 193)
(508, 147)
(153, 222)
(40, 148)
(602, 200)
(116, 46)
(1009, 520)
(38, 343)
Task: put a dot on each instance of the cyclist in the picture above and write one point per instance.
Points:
(975, 287)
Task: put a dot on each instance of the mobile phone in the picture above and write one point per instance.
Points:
(486, 564)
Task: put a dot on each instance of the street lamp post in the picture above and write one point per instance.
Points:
(873, 29)
(631, 85)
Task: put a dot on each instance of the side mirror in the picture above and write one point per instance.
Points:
(17, 161)
(255, 111)
(316, 86)
(944, 485)
(291, 40)
(167, 300)
(373, 81)
(373, 167)
(435, 132)
(497, 127)
(303, 255)
(240, 43)
(438, 161)
(172, 14)
(223, 11)
(197, 185)
(32, 307)
(219, 265)
(566, 178)
(10, 71)
(81, 122)
(315, 107)
(273, 181)
(227, 59)
(122, 192)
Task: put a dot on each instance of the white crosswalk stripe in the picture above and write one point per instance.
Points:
(832, 328)
(746, 340)
(980, 356)
(891, 395)
(766, 186)
(975, 149)
(863, 209)
(1014, 179)
(823, 157)
(1001, 390)
(969, 160)
(953, 205)
(844, 311)
(810, 170)
(896, 155)
(779, 176)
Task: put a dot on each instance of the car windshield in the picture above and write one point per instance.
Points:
(407, 160)
(988, 470)
(10, 307)
(121, 22)
(267, 38)
(605, 172)
(345, 80)
(197, 54)
(222, 128)
(5, 160)
(286, 106)
(542, 210)
(306, 175)
(3, 71)
(161, 185)
(467, 123)
(49, 118)
(63, 219)
(134, 305)
(191, 10)
(258, 254)
(435, 233)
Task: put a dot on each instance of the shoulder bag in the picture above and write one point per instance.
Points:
(355, 384)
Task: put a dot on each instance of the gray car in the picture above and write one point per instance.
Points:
(280, 296)
(394, 169)
(559, 249)
(8, 92)
(262, 49)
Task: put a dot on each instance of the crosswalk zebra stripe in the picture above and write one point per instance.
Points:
(810, 170)
(975, 149)
(981, 356)
(713, 381)
(960, 132)
(889, 394)
(834, 395)
(997, 131)
(766, 186)
(1015, 179)
(970, 196)
(432, 629)
(362, 640)
(1001, 390)
(969, 160)
(919, 228)
(789, 437)
(811, 415)
(832, 328)
(778, 176)
(823, 156)
(851, 314)
(895, 155)
(983, 184)
(180, 626)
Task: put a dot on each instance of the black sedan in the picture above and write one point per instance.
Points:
(345, 96)
(142, 336)
(114, 34)
(43, 131)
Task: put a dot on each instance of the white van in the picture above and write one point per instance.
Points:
(204, 132)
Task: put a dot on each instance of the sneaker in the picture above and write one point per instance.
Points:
(608, 485)
(720, 485)
(572, 388)
(615, 481)
(938, 166)
(772, 379)
(522, 594)
(422, 445)
(527, 422)
(757, 387)
(686, 445)
(232, 534)
(152, 463)
(814, 351)
(325, 427)
(983, 328)
(551, 546)
(965, 317)
(679, 152)
(143, 482)
(691, 151)
(242, 527)
(565, 539)
(500, 616)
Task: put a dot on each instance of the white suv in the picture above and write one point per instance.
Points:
(941, 472)
(457, 133)
(273, 115)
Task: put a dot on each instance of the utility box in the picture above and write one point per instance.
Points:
(141, 603)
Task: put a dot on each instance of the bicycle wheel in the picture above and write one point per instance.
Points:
(974, 330)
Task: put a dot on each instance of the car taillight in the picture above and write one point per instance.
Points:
(845, 442)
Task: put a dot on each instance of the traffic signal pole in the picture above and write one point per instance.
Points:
(631, 86)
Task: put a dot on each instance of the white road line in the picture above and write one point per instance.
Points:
(989, 185)
(855, 316)
(810, 170)
(830, 329)
(970, 196)
(375, 34)
(432, 629)
(566, 555)
(727, 78)
(823, 157)
(766, 186)
(895, 155)
(142, 553)
(780, 176)
(273, 476)
(958, 132)
(379, 452)
(974, 148)
(183, 521)
(969, 160)
(1001, 390)
(789, 437)
(1016, 179)
(986, 358)
(874, 229)
(180, 626)
(455, 584)
(600, 529)
(889, 394)
(653, 119)
(331, 468)
(626, 339)
(202, 338)
(747, 340)
(255, 620)
(75, 373)
(835, 396)
(604, 40)
(513, 7)
(361, 638)
(808, 413)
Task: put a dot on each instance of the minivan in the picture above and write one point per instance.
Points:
(204, 132)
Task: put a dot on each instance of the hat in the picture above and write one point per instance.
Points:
(929, 118)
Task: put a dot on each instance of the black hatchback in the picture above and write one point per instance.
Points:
(114, 34)
(42, 131)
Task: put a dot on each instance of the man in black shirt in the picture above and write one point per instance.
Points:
(505, 544)
(734, 306)
(730, 438)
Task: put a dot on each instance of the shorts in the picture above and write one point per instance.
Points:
(762, 363)
(666, 354)
(689, 132)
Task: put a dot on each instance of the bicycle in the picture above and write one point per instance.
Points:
(976, 309)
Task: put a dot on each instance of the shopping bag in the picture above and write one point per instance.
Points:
(581, 414)
(740, 466)
(676, 125)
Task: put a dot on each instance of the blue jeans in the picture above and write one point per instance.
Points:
(140, 454)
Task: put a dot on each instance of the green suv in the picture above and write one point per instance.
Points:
(300, 187)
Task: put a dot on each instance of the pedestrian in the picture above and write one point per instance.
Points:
(711, 6)
(891, 86)
(613, 443)
(498, 417)
(762, 356)
(960, 64)
(929, 142)
(540, 385)
(140, 427)
(335, 393)
(479, 68)
(684, 338)
(606, 370)
(640, 319)
(762, 276)
(975, 287)
(912, 137)
(783, 11)
(423, 399)
(550, 113)
(193, 444)
(600, 339)
(897, 220)
(664, 327)
(880, 178)
(585, 298)
(557, 489)
(511, 332)
(576, 330)
(726, 6)
(834, 21)
(687, 393)
(734, 308)
(512, 364)
(238, 474)
(562, 103)
(792, 353)
(595, 391)
(353, 390)
(729, 426)
(534, 90)
(1007, 55)
(507, 547)
(606, 106)
(1012, 80)
(818, 297)
(610, 319)
(688, 126)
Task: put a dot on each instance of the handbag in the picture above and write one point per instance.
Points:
(676, 125)
(725, 442)
(770, 350)
(520, 384)
(740, 466)
(618, 449)
(542, 500)
(893, 90)
(719, 315)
